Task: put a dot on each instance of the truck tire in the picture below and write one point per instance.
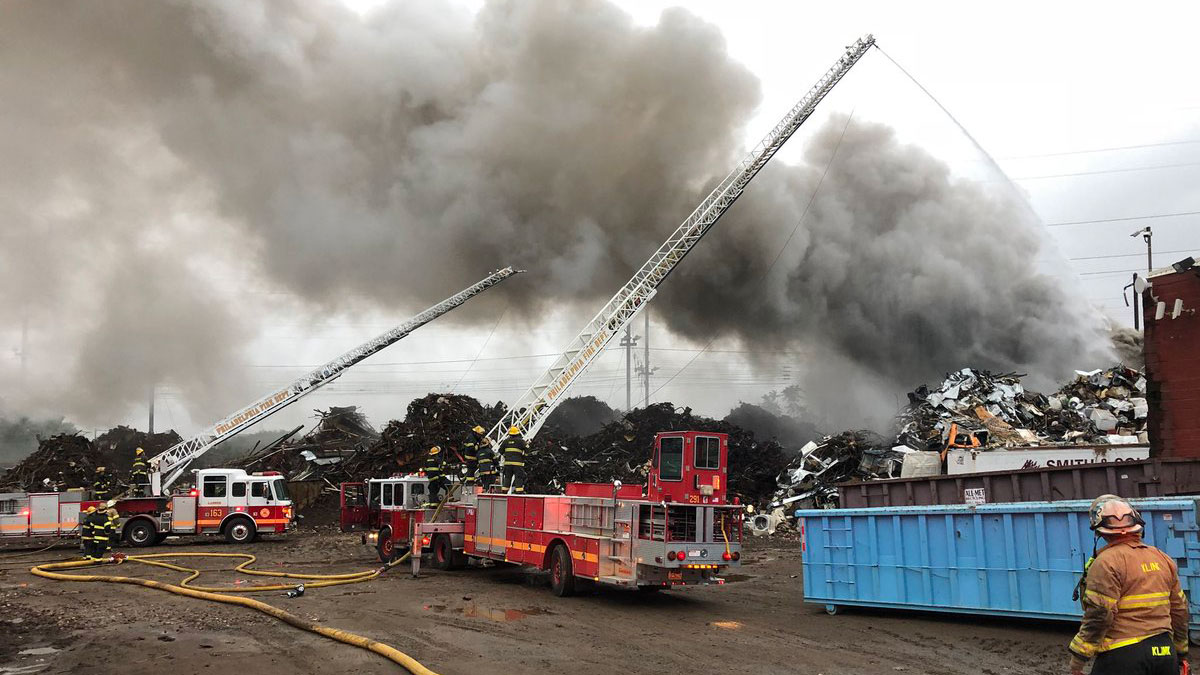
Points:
(386, 546)
(240, 530)
(443, 553)
(141, 533)
(562, 574)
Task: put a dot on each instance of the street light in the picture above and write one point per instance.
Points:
(1147, 236)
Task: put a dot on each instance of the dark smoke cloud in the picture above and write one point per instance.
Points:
(390, 158)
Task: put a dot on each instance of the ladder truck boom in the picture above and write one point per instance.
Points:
(166, 467)
(530, 411)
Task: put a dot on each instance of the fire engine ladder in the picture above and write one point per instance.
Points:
(165, 468)
(530, 411)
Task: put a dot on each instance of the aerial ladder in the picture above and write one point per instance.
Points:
(529, 412)
(166, 467)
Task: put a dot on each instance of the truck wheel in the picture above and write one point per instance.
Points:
(141, 533)
(562, 576)
(240, 531)
(386, 546)
(444, 557)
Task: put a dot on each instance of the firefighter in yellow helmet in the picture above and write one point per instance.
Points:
(486, 454)
(470, 454)
(1135, 615)
(93, 527)
(513, 449)
(433, 471)
(101, 484)
(139, 475)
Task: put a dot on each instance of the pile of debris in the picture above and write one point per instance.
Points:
(621, 451)
(341, 433)
(973, 409)
(436, 419)
(69, 461)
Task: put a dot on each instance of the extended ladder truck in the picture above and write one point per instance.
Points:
(678, 529)
(228, 502)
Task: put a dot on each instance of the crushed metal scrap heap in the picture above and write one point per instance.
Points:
(973, 409)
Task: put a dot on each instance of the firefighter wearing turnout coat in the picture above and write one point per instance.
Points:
(513, 450)
(486, 455)
(470, 454)
(433, 470)
(94, 533)
(139, 474)
(1135, 615)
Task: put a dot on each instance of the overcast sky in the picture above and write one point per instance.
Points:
(1090, 108)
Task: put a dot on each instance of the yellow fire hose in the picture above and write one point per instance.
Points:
(219, 593)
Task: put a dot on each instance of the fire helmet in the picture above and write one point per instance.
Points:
(138, 451)
(514, 430)
(1109, 514)
(478, 429)
(435, 450)
(91, 509)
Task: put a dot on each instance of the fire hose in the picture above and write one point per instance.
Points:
(221, 593)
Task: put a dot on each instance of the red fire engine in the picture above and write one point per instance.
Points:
(231, 502)
(678, 529)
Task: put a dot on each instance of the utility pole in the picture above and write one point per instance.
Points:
(1148, 237)
(646, 346)
(644, 371)
(151, 408)
(628, 342)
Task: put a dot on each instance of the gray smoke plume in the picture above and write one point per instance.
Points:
(155, 149)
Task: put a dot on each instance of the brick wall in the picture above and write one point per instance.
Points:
(1173, 366)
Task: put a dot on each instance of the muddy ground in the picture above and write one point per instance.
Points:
(489, 620)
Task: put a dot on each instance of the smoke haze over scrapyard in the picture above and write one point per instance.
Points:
(166, 163)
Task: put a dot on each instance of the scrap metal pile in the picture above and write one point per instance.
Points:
(977, 409)
(69, 460)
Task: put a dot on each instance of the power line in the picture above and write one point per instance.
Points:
(1084, 152)
(1131, 255)
(1094, 173)
(1118, 220)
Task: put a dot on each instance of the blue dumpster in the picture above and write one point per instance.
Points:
(1018, 559)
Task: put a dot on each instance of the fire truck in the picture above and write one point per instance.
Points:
(677, 529)
(229, 502)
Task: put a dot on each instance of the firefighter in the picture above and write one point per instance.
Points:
(101, 484)
(1135, 615)
(487, 463)
(109, 529)
(433, 471)
(92, 531)
(513, 450)
(470, 448)
(139, 475)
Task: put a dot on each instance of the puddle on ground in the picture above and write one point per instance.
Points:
(475, 611)
(726, 625)
(734, 578)
(38, 651)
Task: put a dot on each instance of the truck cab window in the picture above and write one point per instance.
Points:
(387, 494)
(258, 488)
(239, 489)
(671, 459)
(214, 486)
(708, 452)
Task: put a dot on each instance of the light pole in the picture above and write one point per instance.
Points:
(1148, 237)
